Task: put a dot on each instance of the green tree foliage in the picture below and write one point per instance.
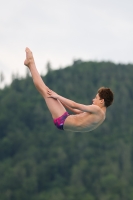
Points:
(40, 162)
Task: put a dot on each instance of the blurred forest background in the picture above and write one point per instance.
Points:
(40, 162)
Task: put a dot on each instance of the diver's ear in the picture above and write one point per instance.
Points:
(102, 101)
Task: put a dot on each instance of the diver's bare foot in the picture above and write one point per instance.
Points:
(29, 57)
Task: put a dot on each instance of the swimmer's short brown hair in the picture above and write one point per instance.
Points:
(107, 95)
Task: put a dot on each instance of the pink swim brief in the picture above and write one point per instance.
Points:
(59, 122)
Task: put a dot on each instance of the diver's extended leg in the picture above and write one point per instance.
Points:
(54, 106)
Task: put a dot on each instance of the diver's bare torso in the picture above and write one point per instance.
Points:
(83, 122)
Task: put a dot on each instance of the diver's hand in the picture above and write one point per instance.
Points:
(52, 94)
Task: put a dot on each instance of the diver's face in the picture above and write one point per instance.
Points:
(96, 100)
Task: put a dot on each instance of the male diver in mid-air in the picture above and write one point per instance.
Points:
(86, 117)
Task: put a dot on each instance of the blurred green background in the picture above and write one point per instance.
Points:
(40, 162)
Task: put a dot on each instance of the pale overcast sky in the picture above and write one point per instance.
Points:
(60, 31)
